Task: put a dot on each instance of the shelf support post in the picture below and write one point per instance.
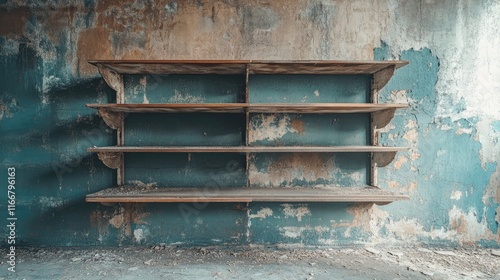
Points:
(247, 123)
(115, 81)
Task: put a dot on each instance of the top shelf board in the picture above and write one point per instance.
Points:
(254, 66)
(252, 107)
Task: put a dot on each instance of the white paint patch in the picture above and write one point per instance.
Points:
(142, 184)
(272, 127)
(139, 235)
(387, 128)
(262, 213)
(298, 212)
(467, 227)
(399, 97)
(185, 98)
(316, 93)
(292, 232)
(489, 139)
(143, 82)
(50, 202)
(456, 195)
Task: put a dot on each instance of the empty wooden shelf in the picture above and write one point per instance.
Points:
(325, 194)
(373, 116)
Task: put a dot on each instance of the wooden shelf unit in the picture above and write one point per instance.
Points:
(323, 194)
(380, 115)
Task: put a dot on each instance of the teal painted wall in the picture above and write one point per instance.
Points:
(452, 126)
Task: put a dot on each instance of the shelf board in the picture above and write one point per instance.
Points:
(326, 194)
(240, 66)
(173, 108)
(246, 149)
(322, 107)
(252, 107)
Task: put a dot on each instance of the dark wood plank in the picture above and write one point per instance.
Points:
(239, 66)
(322, 107)
(174, 108)
(245, 149)
(295, 194)
(253, 107)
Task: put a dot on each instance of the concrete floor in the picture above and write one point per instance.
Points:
(254, 263)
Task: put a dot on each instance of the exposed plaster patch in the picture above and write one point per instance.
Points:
(456, 195)
(139, 235)
(386, 129)
(117, 220)
(299, 212)
(412, 187)
(489, 138)
(269, 127)
(400, 161)
(297, 232)
(316, 93)
(289, 167)
(467, 227)
(298, 126)
(493, 189)
(125, 214)
(399, 97)
(262, 213)
(292, 232)
(143, 82)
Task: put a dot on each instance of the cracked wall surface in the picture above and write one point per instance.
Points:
(452, 125)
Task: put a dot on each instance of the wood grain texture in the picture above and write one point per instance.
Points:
(246, 149)
(325, 194)
(240, 66)
(252, 107)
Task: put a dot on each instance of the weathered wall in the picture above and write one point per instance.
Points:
(452, 126)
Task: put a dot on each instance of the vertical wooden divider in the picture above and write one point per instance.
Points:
(373, 134)
(247, 127)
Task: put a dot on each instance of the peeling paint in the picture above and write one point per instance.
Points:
(185, 98)
(295, 211)
(292, 167)
(270, 127)
(400, 161)
(456, 195)
(262, 214)
(451, 126)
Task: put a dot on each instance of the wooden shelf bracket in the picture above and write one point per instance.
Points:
(382, 118)
(112, 119)
(383, 159)
(114, 80)
(111, 160)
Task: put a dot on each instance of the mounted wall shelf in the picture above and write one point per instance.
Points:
(248, 149)
(324, 194)
(374, 115)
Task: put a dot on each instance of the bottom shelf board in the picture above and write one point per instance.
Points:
(164, 194)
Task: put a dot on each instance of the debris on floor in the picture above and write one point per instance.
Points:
(256, 262)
